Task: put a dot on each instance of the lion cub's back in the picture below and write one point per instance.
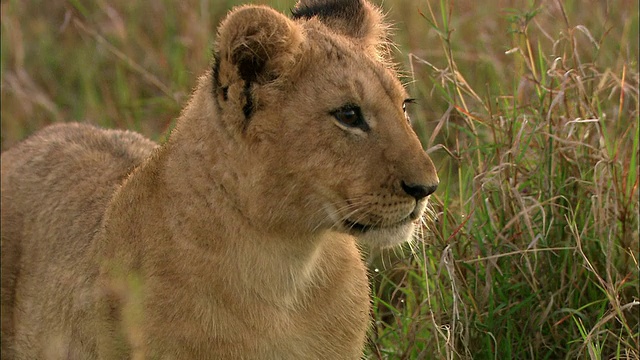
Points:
(68, 167)
(55, 188)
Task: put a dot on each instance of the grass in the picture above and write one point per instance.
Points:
(529, 109)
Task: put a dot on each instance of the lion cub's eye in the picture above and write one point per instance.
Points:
(404, 107)
(350, 116)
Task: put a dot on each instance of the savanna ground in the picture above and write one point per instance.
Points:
(529, 108)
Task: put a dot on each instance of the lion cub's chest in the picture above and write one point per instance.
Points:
(328, 321)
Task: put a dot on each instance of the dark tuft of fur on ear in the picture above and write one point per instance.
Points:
(357, 19)
(347, 10)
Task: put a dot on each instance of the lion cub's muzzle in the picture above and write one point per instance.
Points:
(394, 212)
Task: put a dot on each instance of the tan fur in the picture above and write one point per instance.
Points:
(235, 239)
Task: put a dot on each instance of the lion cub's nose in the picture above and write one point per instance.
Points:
(419, 191)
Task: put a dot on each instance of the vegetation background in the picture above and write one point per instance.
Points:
(529, 108)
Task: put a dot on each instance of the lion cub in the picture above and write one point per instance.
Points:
(236, 239)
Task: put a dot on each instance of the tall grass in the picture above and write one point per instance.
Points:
(529, 109)
(534, 254)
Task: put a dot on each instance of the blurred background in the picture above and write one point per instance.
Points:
(528, 108)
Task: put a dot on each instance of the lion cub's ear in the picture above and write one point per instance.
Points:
(259, 42)
(357, 19)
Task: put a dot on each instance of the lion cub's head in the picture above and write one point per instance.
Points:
(316, 124)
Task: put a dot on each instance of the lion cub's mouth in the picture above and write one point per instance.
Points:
(356, 227)
(359, 228)
(383, 235)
